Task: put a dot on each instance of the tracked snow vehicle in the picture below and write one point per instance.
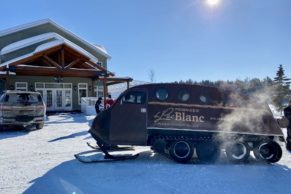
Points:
(184, 121)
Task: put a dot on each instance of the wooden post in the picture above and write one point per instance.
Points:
(104, 90)
(63, 58)
(127, 84)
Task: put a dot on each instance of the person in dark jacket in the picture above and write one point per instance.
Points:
(97, 105)
(287, 114)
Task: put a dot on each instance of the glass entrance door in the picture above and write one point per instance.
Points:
(59, 99)
(49, 99)
(57, 96)
(68, 99)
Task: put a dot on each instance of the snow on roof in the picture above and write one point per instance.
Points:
(58, 40)
(27, 42)
(24, 26)
(48, 21)
(15, 59)
(101, 47)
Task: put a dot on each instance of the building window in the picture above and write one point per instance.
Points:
(98, 90)
(82, 91)
(21, 86)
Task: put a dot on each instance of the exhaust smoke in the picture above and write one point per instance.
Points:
(248, 111)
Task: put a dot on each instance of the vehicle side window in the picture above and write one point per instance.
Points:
(205, 99)
(183, 95)
(134, 97)
(162, 94)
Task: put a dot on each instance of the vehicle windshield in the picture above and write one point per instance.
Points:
(22, 98)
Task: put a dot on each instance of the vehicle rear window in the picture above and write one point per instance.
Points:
(22, 98)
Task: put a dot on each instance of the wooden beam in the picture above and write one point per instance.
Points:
(91, 66)
(116, 79)
(53, 71)
(72, 64)
(113, 83)
(75, 53)
(46, 62)
(52, 62)
(62, 58)
(32, 58)
(100, 68)
(35, 56)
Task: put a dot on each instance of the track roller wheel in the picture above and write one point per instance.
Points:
(208, 152)
(268, 151)
(237, 152)
(181, 151)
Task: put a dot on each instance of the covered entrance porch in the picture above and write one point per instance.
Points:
(62, 74)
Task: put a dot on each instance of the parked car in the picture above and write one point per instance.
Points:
(22, 108)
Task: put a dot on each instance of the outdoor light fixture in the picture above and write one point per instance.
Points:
(58, 79)
(31, 88)
(75, 88)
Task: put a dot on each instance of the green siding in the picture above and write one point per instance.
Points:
(31, 80)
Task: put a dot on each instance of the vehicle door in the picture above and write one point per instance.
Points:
(128, 119)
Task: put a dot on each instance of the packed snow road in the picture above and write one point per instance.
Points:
(42, 161)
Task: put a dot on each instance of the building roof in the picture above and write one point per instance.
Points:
(26, 39)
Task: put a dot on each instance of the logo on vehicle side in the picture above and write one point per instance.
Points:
(179, 114)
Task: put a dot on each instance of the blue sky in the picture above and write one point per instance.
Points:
(178, 39)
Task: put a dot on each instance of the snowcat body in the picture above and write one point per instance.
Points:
(194, 111)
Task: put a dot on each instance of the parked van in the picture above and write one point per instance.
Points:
(22, 108)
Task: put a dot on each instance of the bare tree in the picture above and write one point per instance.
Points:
(152, 76)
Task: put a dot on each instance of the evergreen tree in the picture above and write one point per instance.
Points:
(281, 88)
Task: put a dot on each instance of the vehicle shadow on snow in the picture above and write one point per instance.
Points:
(155, 173)
(63, 118)
(15, 131)
(73, 135)
(68, 118)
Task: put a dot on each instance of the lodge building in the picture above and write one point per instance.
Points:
(45, 57)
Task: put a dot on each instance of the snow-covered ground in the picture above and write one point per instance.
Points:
(42, 161)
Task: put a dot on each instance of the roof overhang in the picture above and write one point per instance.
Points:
(20, 65)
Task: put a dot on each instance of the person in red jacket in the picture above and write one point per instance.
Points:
(109, 101)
